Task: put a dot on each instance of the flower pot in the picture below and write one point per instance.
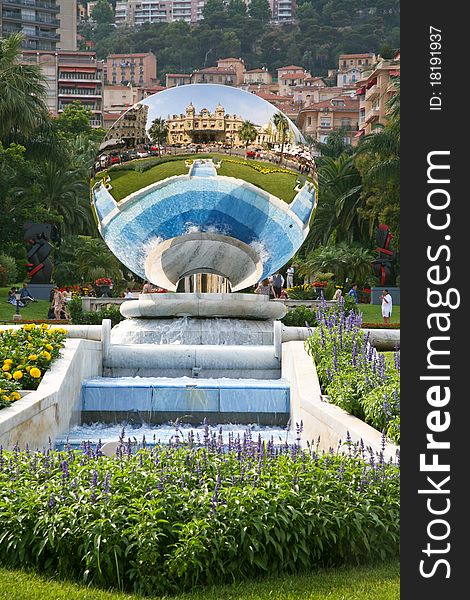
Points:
(105, 291)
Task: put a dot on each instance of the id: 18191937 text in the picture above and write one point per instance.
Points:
(435, 68)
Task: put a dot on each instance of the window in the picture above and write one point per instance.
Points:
(309, 120)
(345, 79)
(325, 122)
(346, 123)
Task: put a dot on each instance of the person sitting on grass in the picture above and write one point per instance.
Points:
(26, 295)
(12, 298)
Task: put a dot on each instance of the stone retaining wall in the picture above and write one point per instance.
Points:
(55, 406)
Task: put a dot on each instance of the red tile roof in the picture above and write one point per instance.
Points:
(349, 104)
(290, 67)
(221, 70)
(293, 76)
(129, 54)
(367, 55)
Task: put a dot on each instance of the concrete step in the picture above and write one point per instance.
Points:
(161, 399)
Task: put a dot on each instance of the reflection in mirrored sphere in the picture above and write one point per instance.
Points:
(203, 183)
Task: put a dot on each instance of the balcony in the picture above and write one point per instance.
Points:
(32, 4)
(372, 92)
(40, 20)
(79, 77)
(93, 107)
(372, 115)
(80, 92)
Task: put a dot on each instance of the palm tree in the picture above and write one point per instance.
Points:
(23, 91)
(63, 191)
(158, 132)
(344, 260)
(95, 260)
(282, 125)
(247, 133)
(337, 217)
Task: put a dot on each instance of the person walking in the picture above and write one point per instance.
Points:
(387, 305)
(353, 293)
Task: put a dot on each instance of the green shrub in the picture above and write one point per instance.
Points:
(91, 317)
(172, 518)
(353, 374)
(300, 316)
(8, 270)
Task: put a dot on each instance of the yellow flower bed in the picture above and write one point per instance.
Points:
(260, 169)
(25, 355)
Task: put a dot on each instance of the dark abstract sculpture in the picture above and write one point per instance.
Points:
(38, 237)
(384, 265)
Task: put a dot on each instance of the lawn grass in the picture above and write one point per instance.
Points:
(372, 313)
(380, 582)
(32, 311)
(127, 182)
(282, 185)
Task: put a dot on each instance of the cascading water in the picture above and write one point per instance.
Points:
(193, 331)
(144, 434)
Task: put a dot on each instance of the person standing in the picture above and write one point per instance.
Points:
(278, 282)
(58, 303)
(338, 294)
(387, 305)
(264, 288)
(290, 277)
(353, 293)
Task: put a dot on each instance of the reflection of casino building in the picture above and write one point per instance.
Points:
(130, 128)
(218, 127)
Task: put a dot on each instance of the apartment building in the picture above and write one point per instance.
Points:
(374, 92)
(71, 76)
(38, 20)
(220, 75)
(260, 76)
(46, 24)
(305, 92)
(289, 77)
(137, 69)
(175, 79)
(137, 12)
(68, 24)
(237, 64)
(118, 97)
(351, 67)
(283, 11)
(131, 127)
(319, 119)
